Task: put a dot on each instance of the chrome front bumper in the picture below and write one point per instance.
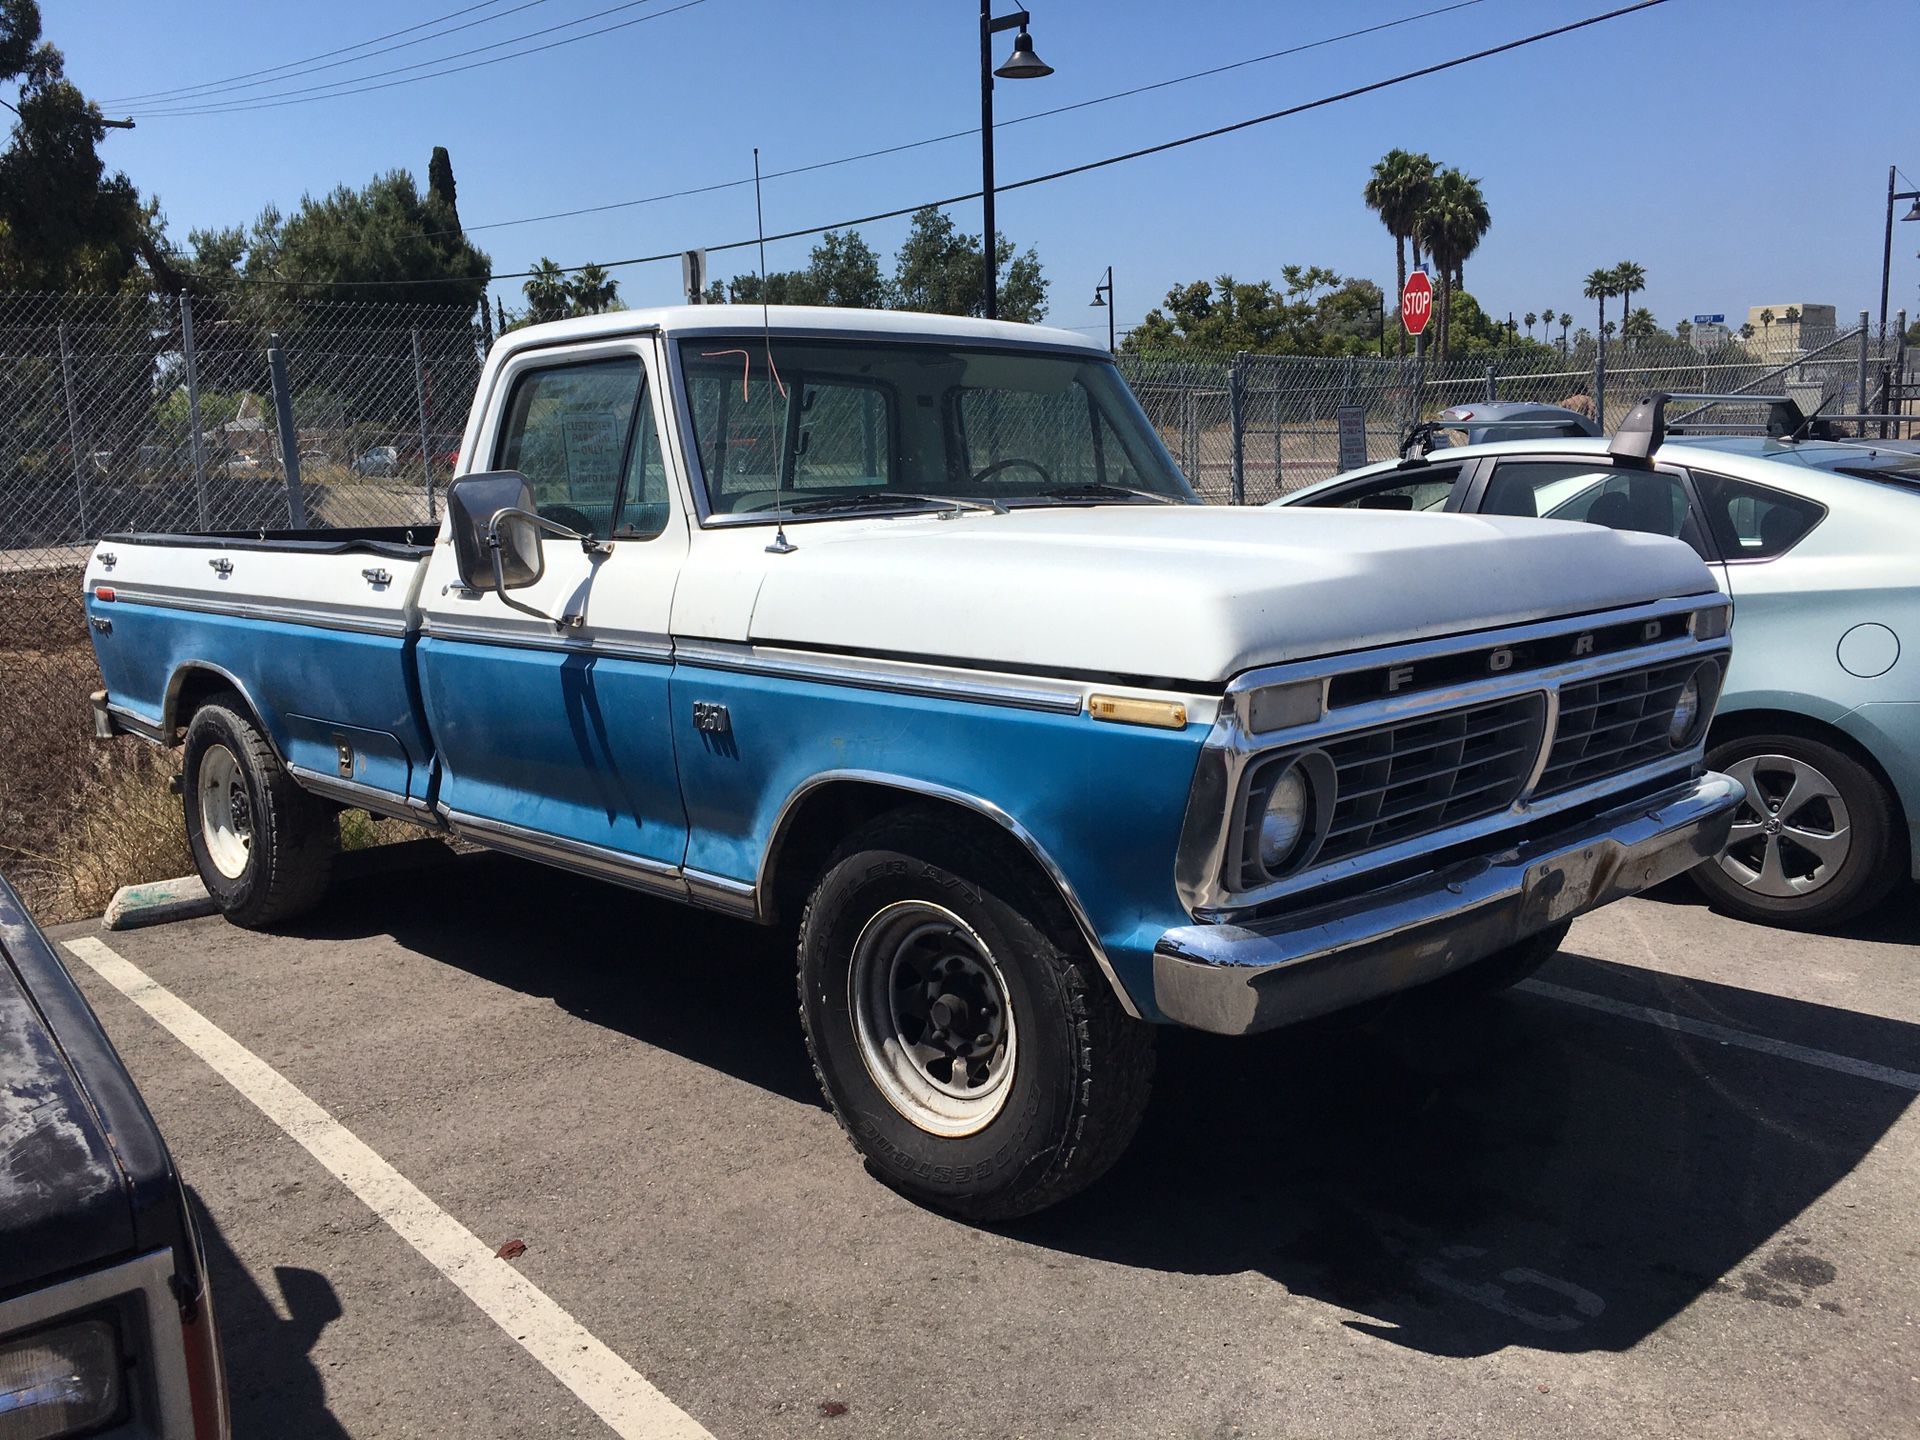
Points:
(1235, 979)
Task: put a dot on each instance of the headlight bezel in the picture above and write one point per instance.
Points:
(1315, 774)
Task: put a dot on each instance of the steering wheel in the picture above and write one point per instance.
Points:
(989, 471)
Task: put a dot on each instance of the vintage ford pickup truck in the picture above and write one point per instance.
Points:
(906, 633)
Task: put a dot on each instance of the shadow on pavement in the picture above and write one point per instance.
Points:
(1524, 1172)
(715, 991)
(272, 1384)
(1894, 921)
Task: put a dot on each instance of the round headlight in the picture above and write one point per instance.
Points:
(1686, 710)
(1284, 822)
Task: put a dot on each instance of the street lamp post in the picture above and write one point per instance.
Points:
(1103, 299)
(1022, 64)
(1886, 273)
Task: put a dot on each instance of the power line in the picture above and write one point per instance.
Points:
(288, 65)
(1084, 168)
(213, 89)
(273, 102)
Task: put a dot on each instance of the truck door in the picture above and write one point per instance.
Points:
(554, 739)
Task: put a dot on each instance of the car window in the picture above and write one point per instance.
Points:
(1754, 522)
(643, 492)
(1425, 489)
(566, 430)
(1651, 501)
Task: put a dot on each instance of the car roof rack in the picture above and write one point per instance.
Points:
(1645, 428)
(1423, 431)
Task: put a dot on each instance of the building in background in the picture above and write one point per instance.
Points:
(1813, 327)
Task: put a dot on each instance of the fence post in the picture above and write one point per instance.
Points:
(1600, 383)
(1237, 416)
(1898, 374)
(73, 437)
(1860, 379)
(193, 413)
(1279, 459)
(289, 437)
(426, 444)
(1493, 392)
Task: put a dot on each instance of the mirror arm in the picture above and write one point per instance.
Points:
(588, 545)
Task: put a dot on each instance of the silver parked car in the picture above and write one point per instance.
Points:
(1818, 544)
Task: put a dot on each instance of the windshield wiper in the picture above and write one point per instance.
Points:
(1094, 490)
(885, 499)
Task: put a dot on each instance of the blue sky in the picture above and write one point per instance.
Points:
(1738, 149)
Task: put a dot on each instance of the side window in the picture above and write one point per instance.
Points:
(1754, 522)
(566, 430)
(1650, 501)
(1425, 489)
(643, 494)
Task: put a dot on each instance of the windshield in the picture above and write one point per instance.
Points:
(834, 425)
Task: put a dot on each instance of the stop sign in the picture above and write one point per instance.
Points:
(1416, 302)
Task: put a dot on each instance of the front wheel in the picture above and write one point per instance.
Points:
(264, 847)
(966, 1041)
(1814, 843)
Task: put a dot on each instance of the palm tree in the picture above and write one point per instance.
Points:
(1792, 317)
(1600, 285)
(1451, 225)
(1746, 331)
(593, 290)
(1639, 325)
(1396, 192)
(1530, 317)
(1628, 276)
(1766, 331)
(546, 291)
(1565, 321)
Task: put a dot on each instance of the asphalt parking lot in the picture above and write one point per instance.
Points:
(1670, 1188)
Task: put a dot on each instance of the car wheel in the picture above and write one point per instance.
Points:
(966, 1041)
(263, 846)
(1813, 843)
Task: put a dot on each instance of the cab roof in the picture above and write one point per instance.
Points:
(790, 319)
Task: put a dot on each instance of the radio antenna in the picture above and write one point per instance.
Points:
(781, 545)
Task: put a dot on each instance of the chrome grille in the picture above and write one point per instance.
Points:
(1414, 777)
(1614, 724)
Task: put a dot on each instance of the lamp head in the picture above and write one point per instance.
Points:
(1023, 64)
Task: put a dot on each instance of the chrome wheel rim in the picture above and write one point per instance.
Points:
(226, 814)
(1792, 835)
(931, 1017)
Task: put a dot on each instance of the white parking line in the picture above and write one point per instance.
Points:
(1666, 1020)
(604, 1382)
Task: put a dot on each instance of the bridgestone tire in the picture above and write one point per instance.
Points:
(293, 836)
(1874, 860)
(1078, 1079)
(1503, 969)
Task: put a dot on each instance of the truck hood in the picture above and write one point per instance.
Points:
(1193, 594)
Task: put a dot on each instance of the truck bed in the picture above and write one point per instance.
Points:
(313, 628)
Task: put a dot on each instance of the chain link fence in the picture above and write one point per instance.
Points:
(1248, 428)
(259, 410)
(147, 413)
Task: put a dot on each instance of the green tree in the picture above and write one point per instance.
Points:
(1311, 312)
(591, 291)
(1628, 277)
(546, 291)
(1530, 318)
(1791, 315)
(1397, 192)
(1451, 224)
(440, 181)
(1640, 326)
(65, 222)
(938, 270)
(841, 270)
(1599, 286)
(1766, 330)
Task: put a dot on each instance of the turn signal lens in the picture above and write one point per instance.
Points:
(1711, 623)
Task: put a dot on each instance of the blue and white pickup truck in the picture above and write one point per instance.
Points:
(905, 633)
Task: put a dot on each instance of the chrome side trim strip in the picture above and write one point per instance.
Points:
(434, 628)
(899, 677)
(138, 725)
(319, 617)
(638, 871)
(722, 893)
(357, 796)
(763, 884)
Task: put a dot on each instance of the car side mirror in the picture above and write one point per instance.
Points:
(494, 544)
